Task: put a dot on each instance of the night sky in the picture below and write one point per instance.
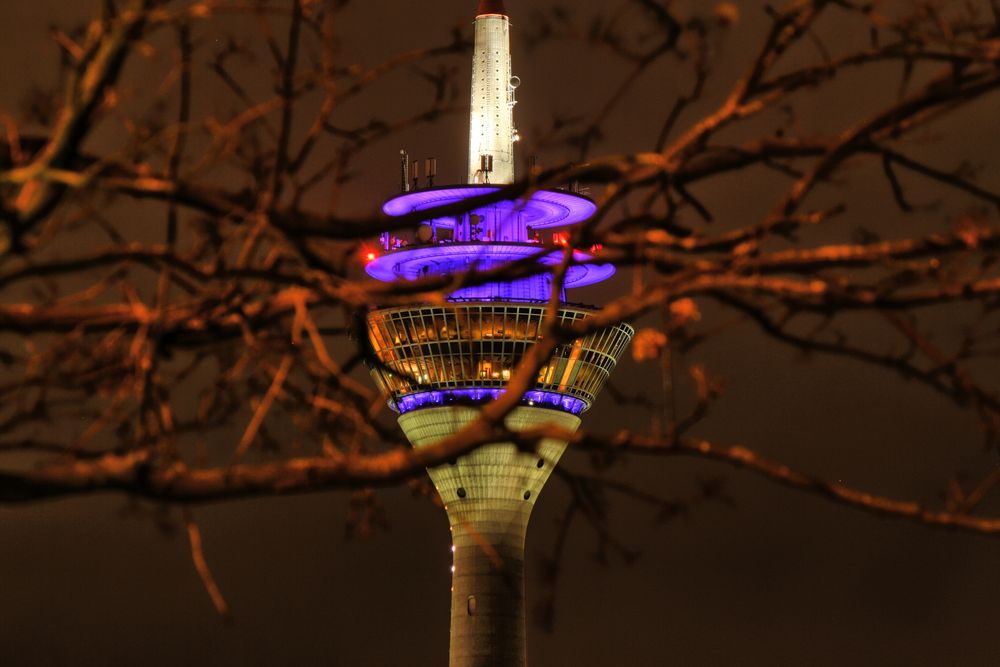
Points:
(775, 578)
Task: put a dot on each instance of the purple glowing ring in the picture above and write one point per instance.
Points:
(436, 399)
(546, 208)
(414, 262)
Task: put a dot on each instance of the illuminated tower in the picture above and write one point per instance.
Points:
(441, 362)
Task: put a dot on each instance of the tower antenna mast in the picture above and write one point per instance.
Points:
(491, 116)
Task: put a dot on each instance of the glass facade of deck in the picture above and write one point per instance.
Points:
(477, 345)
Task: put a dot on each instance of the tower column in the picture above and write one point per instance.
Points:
(487, 592)
(489, 494)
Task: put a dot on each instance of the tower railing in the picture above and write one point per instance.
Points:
(478, 344)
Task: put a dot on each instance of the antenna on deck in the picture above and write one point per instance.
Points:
(416, 174)
(430, 170)
(486, 167)
(404, 171)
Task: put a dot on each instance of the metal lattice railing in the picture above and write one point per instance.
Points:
(477, 345)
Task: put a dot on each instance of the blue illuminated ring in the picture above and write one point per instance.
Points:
(545, 208)
(533, 398)
(414, 262)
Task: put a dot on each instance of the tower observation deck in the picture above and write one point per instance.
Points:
(440, 363)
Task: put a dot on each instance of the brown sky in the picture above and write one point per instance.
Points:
(781, 579)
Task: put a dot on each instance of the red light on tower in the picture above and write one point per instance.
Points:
(369, 257)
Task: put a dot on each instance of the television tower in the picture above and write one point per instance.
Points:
(439, 363)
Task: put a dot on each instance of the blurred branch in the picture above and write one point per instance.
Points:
(201, 565)
(253, 298)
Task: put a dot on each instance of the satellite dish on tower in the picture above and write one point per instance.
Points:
(515, 81)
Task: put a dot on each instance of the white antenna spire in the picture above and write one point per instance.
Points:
(491, 127)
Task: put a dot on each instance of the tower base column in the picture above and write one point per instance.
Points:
(487, 594)
(488, 494)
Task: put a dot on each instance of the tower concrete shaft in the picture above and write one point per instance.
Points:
(489, 495)
(491, 126)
